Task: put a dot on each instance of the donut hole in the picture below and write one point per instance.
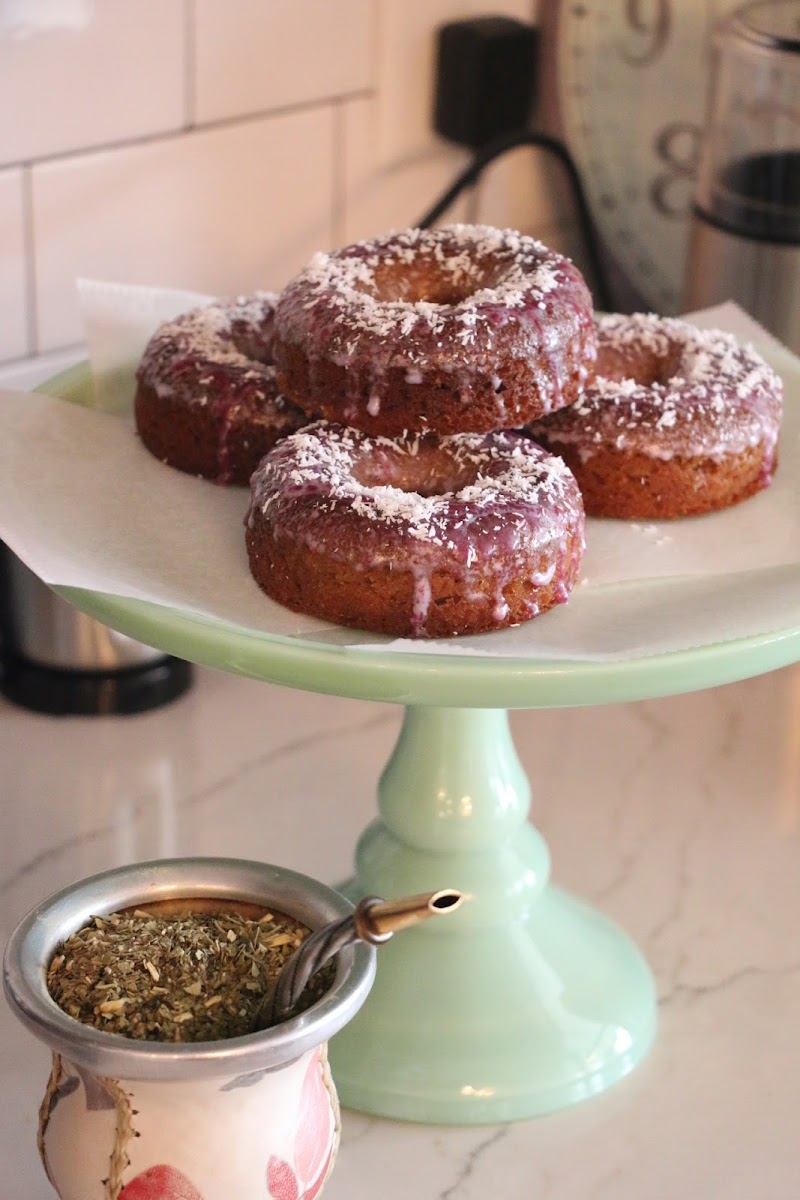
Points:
(644, 367)
(255, 344)
(429, 281)
(428, 472)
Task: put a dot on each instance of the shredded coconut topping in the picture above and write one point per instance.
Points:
(489, 526)
(476, 265)
(665, 388)
(220, 353)
(218, 358)
(466, 479)
(498, 323)
(215, 333)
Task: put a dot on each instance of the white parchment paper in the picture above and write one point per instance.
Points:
(85, 505)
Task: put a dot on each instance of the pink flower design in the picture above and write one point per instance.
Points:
(160, 1183)
(313, 1143)
(281, 1180)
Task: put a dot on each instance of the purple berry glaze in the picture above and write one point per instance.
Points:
(219, 357)
(467, 309)
(705, 395)
(487, 509)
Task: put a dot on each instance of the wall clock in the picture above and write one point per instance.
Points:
(624, 86)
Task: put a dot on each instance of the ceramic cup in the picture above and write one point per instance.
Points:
(251, 1117)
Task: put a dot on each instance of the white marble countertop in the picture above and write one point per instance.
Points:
(679, 817)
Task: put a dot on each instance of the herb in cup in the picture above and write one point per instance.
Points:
(178, 971)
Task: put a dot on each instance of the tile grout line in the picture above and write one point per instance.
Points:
(189, 64)
(29, 251)
(339, 170)
(376, 34)
(340, 140)
(166, 135)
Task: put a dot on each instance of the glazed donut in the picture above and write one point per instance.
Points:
(461, 329)
(207, 398)
(679, 421)
(418, 537)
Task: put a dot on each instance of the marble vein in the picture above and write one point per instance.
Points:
(471, 1160)
(287, 750)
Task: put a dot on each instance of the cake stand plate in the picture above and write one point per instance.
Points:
(525, 999)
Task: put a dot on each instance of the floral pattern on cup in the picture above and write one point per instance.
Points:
(179, 1126)
(313, 1144)
(160, 1183)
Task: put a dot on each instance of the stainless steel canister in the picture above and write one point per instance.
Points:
(745, 236)
(57, 659)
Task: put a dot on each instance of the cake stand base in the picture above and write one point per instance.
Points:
(524, 1000)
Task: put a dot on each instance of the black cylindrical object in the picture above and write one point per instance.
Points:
(58, 660)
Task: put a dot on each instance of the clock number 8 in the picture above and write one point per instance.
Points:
(678, 147)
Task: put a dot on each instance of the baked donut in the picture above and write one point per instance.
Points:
(460, 329)
(679, 421)
(421, 536)
(207, 397)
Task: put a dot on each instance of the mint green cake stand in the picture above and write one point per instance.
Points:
(526, 999)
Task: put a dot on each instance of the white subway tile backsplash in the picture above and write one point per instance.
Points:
(13, 287)
(253, 55)
(222, 210)
(122, 76)
(216, 146)
(517, 191)
(377, 199)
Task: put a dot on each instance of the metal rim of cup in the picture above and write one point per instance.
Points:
(34, 941)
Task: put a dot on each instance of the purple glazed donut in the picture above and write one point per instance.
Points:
(466, 328)
(419, 536)
(207, 398)
(679, 421)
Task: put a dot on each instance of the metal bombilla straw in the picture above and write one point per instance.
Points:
(374, 920)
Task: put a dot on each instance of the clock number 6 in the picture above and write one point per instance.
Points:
(678, 147)
(650, 21)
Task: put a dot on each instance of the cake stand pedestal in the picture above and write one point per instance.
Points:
(526, 999)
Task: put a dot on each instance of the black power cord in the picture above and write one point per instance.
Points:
(540, 141)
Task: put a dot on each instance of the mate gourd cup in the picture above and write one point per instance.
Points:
(250, 1117)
